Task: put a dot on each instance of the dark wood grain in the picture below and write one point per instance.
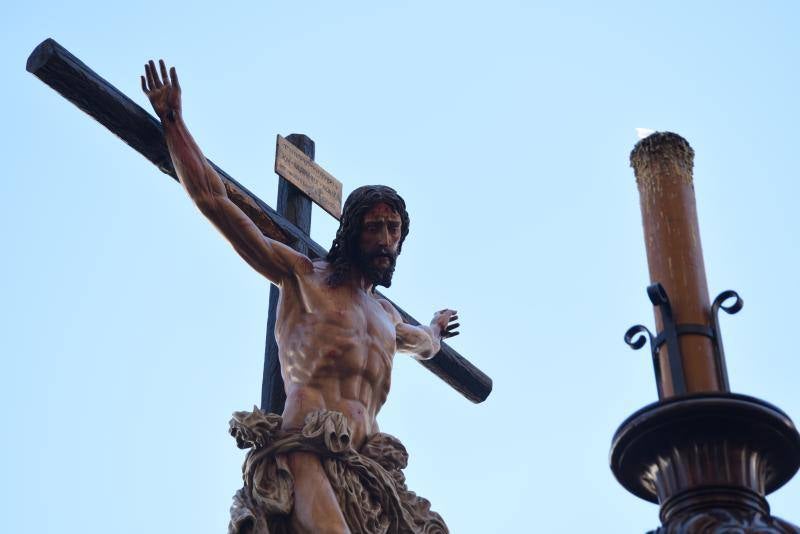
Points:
(79, 84)
(453, 368)
(296, 207)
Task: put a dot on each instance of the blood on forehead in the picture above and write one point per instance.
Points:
(381, 212)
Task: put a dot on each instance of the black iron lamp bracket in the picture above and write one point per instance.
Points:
(638, 335)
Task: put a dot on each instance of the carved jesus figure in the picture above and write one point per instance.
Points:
(336, 338)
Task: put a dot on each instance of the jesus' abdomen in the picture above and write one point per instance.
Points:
(335, 356)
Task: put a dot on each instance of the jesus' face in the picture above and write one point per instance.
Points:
(380, 236)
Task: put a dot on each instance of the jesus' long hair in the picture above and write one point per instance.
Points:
(344, 250)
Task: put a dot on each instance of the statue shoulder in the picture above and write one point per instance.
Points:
(389, 309)
(313, 271)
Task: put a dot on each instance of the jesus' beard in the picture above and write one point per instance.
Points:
(379, 276)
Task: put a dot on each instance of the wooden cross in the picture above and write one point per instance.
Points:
(289, 224)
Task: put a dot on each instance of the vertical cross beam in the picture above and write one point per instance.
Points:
(296, 207)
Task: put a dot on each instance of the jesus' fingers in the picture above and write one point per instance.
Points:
(174, 77)
(149, 77)
(154, 74)
(163, 67)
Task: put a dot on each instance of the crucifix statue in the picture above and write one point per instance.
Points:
(317, 463)
(322, 465)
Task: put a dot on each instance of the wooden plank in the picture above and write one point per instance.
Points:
(453, 368)
(76, 82)
(296, 167)
(123, 117)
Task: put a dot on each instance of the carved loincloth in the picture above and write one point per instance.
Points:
(369, 483)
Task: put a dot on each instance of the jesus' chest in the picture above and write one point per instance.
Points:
(335, 316)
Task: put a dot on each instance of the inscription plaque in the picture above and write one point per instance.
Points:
(310, 178)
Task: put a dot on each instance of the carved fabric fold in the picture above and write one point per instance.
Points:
(369, 484)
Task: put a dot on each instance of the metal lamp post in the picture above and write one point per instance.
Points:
(706, 456)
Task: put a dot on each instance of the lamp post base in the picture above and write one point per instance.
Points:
(708, 460)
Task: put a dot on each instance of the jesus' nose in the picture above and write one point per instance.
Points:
(383, 237)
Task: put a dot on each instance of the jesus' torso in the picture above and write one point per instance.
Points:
(335, 346)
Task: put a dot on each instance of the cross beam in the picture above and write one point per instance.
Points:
(70, 77)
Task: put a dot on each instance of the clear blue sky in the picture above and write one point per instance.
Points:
(131, 331)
